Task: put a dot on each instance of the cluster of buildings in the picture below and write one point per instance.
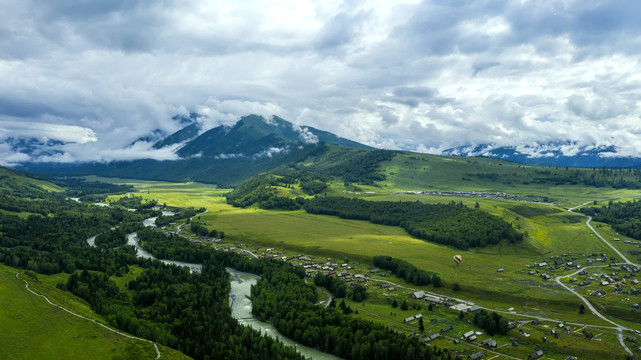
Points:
(494, 195)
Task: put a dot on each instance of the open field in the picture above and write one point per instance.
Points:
(41, 331)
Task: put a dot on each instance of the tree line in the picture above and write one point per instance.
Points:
(450, 224)
(624, 217)
(407, 271)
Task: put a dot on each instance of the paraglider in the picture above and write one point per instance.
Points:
(458, 259)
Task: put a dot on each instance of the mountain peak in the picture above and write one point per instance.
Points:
(251, 136)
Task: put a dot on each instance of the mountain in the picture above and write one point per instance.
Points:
(17, 183)
(34, 146)
(187, 133)
(563, 154)
(224, 155)
(154, 136)
(252, 135)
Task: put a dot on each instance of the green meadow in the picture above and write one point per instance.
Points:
(423, 172)
(42, 331)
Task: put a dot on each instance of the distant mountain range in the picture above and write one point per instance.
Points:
(565, 154)
(224, 155)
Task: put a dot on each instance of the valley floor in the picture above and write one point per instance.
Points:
(518, 291)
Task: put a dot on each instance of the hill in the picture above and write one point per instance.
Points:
(17, 182)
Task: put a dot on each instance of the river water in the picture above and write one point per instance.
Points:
(241, 310)
(241, 305)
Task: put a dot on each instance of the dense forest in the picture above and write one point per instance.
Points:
(117, 236)
(186, 311)
(56, 242)
(624, 217)
(405, 270)
(616, 178)
(449, 224)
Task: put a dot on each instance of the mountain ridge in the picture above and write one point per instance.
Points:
(563, 153)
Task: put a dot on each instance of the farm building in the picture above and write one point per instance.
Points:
(489, 343)
(535, 355)
(447, 328)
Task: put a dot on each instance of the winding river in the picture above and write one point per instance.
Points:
(241, 305)
(241, 310)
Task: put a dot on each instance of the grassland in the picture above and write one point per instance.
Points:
(552, 231)
(14, 181)
(409, 171)
(41, 331)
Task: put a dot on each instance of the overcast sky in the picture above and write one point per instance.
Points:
(415, 75)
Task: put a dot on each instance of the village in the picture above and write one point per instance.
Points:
(596, 275)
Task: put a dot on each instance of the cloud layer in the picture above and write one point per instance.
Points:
(416, 75)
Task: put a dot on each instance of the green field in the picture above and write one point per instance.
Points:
(41, 331)
(552, 231)
(410, 171)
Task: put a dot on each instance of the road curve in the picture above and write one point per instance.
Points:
(587, 222)
(608, 243)
(593, 309)
(26, 284)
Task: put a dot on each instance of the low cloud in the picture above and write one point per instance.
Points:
(46, 131)
(306, 136)
(271, 151)
(228, 156)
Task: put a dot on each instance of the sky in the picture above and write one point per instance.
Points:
(413, 75)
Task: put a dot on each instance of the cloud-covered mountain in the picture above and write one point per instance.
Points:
(570, 154)
(251, 136)
(224, 154)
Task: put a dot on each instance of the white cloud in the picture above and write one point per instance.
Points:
(66, 133)
(271, 151)
(305, 135)
(422, 75)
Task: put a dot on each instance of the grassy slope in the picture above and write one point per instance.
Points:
(409, 171)
(41, 331)
(13, 180)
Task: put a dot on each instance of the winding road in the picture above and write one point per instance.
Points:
(618, 327)
(26, 284)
